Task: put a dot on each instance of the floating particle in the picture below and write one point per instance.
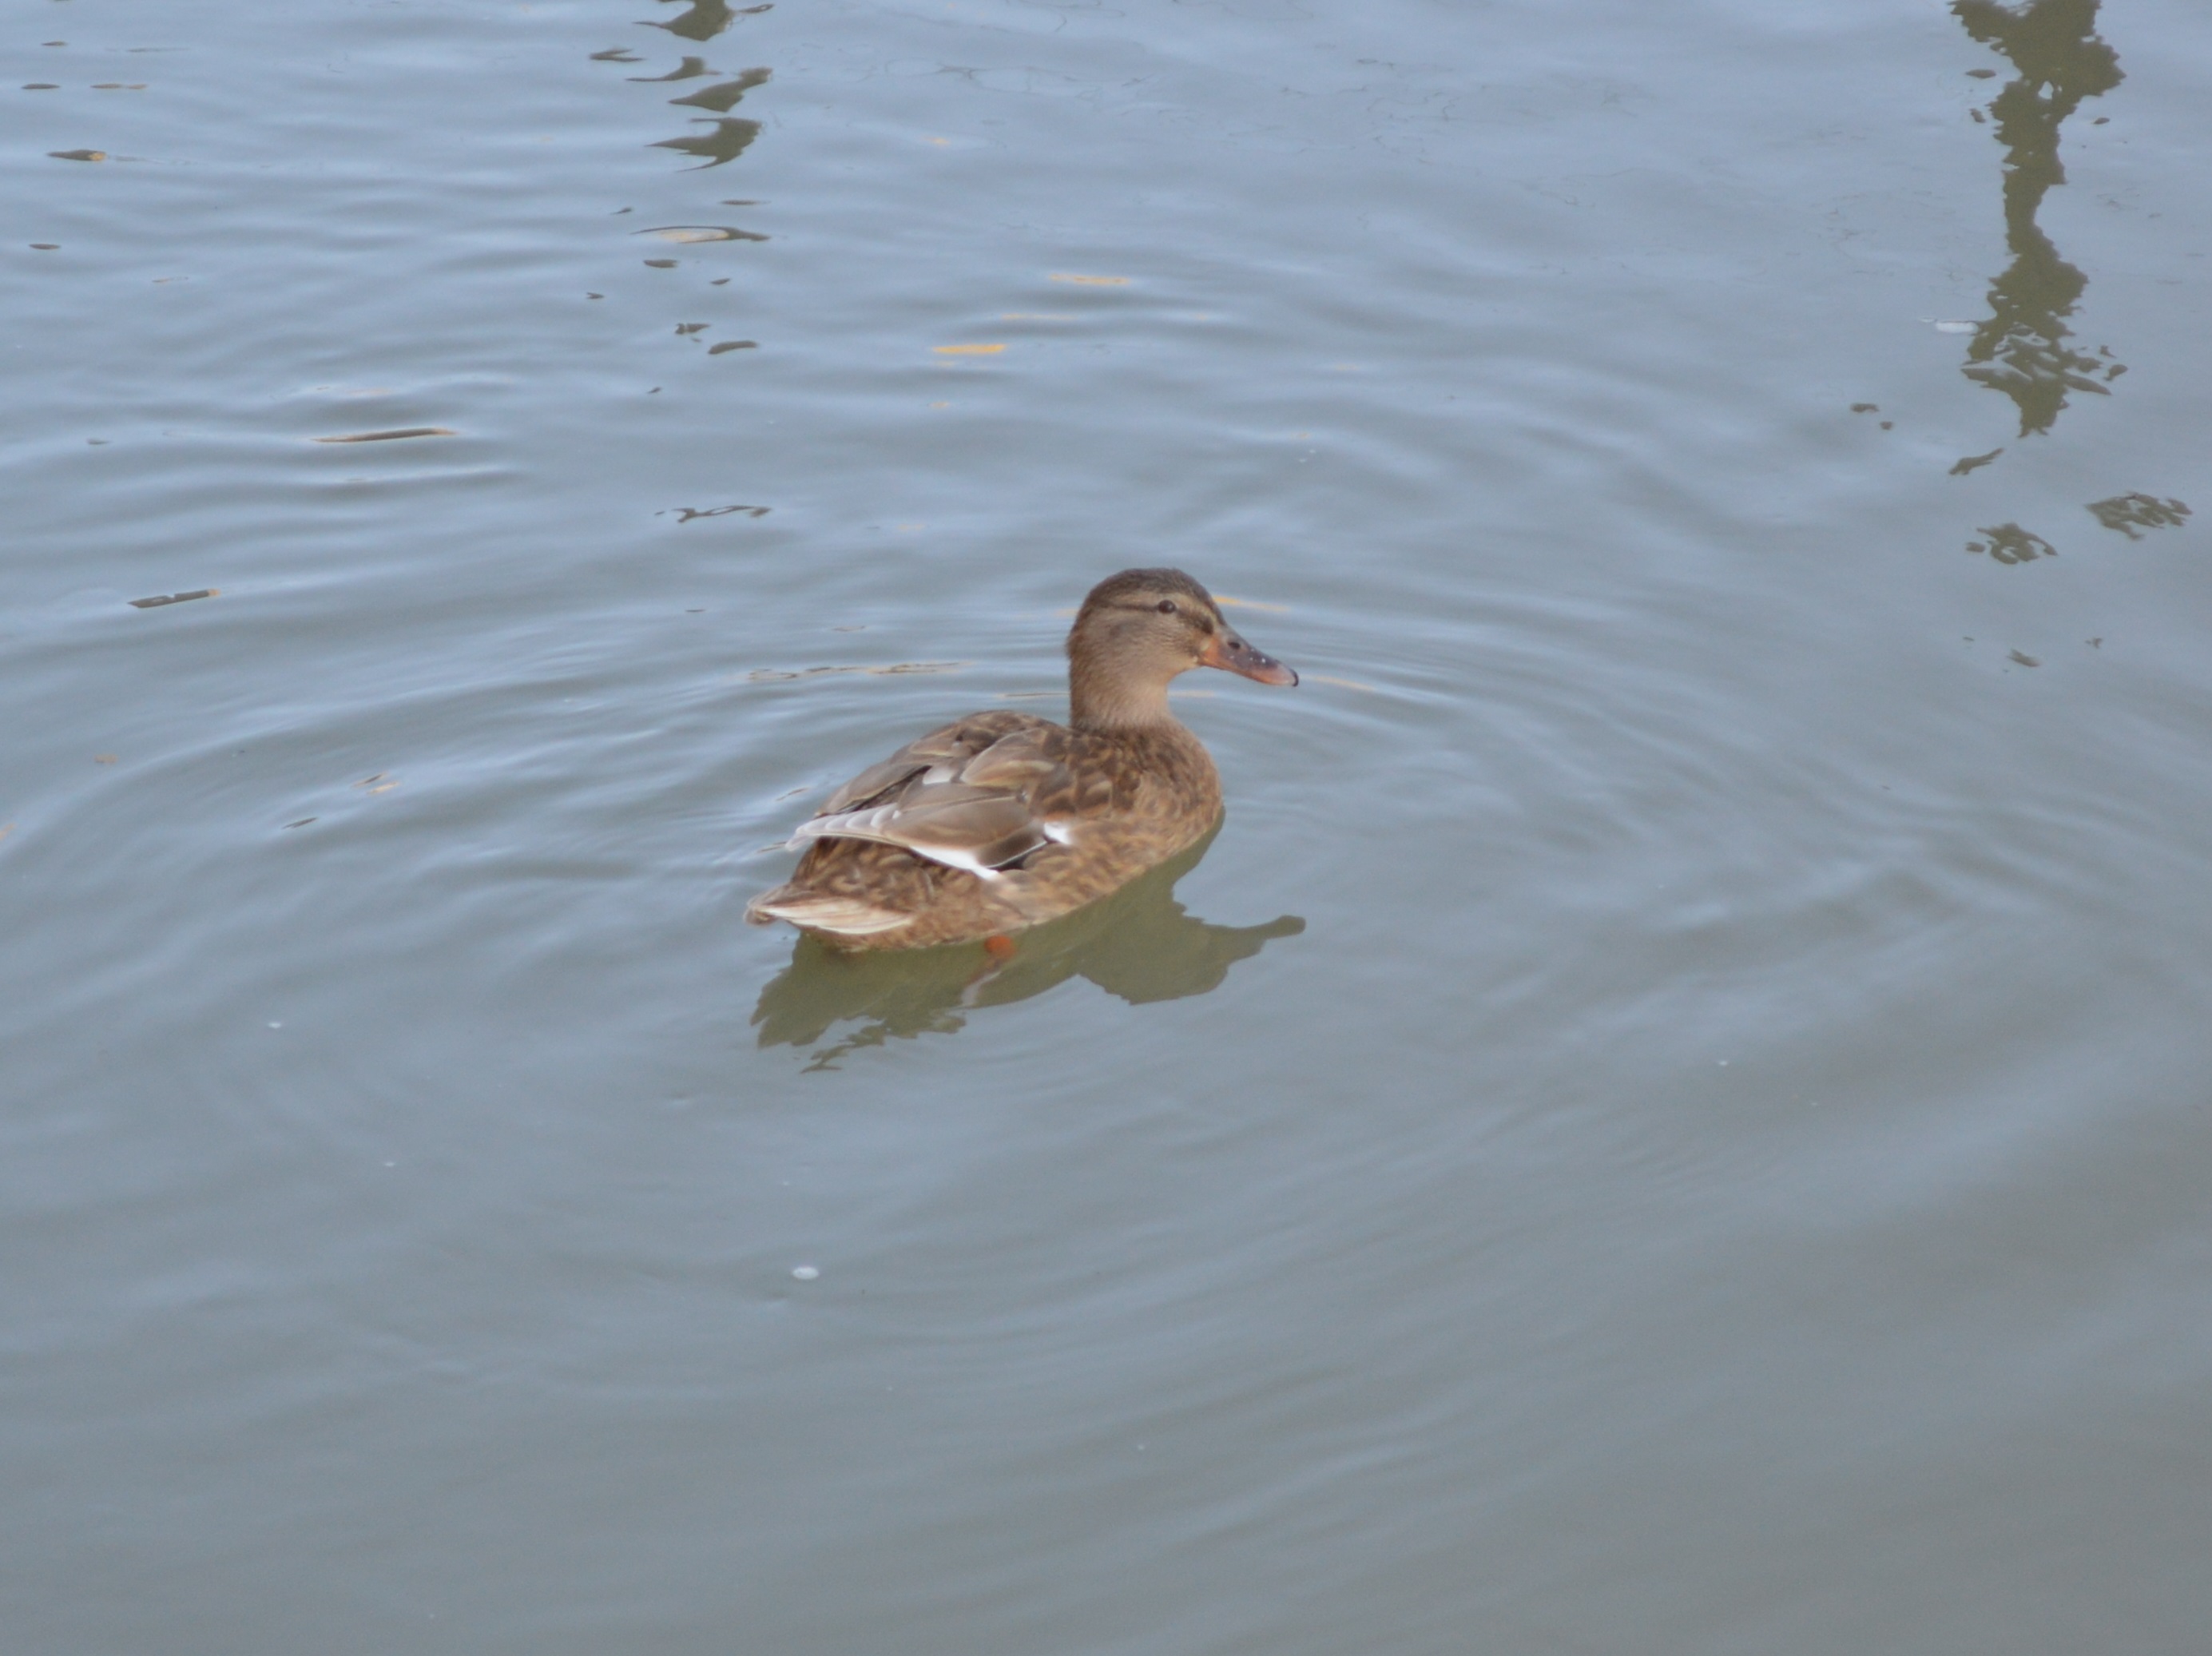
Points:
(389, 436)
(1974, 462)
(159, 599)
(806, 1273)
(733, 345)
(2025, 660)
(1089, 281)
(686, 514)
(966, 350)
(302, 822)
(660, 264)
(78, 154)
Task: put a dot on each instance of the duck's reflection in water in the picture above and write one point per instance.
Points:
(1137, 944)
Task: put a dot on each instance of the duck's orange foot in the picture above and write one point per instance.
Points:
(999, 947)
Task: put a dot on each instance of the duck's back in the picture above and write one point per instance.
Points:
(994, 823)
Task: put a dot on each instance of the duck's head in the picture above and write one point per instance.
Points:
(1136, 632)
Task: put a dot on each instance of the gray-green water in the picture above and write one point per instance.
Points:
(1672, 1117)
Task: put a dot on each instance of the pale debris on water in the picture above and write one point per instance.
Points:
(686, 234)
(772, 675)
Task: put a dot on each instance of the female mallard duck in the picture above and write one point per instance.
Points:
(1003, 819)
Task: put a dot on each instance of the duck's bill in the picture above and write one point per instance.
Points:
(1232, 654)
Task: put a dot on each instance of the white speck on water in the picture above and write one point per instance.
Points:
(276, 1023)
(1724, 1064)
(804, 1273)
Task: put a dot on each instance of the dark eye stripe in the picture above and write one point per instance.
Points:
(1183, 606)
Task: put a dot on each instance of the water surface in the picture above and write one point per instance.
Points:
(1672, 1116)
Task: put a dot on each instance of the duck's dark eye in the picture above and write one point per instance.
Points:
(1167, 606)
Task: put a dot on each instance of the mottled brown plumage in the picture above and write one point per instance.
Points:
(1002, 820)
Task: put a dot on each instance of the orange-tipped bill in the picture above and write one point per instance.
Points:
(1232, 654)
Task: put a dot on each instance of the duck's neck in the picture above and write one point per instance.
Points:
(1105, 701)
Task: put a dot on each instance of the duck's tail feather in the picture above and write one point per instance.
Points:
(823, 910)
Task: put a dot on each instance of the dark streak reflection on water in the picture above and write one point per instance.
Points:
(2010, 543)
(706, 19)
(2129, 512)
(691, 70)
(1139, 944)
(723, 145)
(723, 97)
(2021, 350)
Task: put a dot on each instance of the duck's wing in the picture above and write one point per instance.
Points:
(978, 795)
